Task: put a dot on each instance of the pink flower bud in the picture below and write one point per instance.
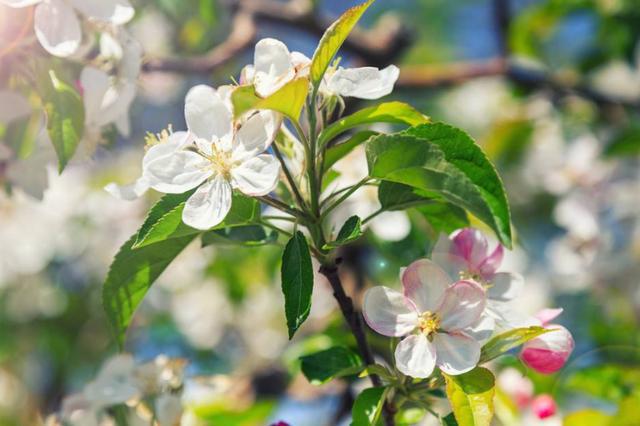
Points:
(543, 406)
(548, 352)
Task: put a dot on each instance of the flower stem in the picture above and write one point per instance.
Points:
(287, 173)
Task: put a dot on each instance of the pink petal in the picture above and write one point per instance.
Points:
(457, 353)
(471, 245)
(544, 406)
(491, 263)
(424, 283)
(388, 312)
(415, 356)
(461, 305)
(549, 352)
(547, 315)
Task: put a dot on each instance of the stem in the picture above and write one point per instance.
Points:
(344, 196)
(314, 182)
(275, 228)
(372, 215)
(287, 173)
(355, 322)
(273, 202)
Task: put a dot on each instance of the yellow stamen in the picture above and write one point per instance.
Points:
(429, 322)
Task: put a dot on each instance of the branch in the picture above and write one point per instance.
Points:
(355, 322)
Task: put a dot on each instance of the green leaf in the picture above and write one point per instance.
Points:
(627, 143)
(367, 407)
(297, 281)
(288, 100)
(332, 39)
(471, 396)
(65, 117)
(588, 417)
(388, 112)
(453, 169)
(131, 275)
(461, 151)
(349, 232)
(164, 221)
(337, 152)
(250, 235)
(410, 416)
(508, 340)
(323, 366)
(444, 217)
(377, 369)
(449, 420)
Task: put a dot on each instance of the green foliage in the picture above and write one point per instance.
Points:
(332, 39)
(250, 235)
(388, 112)
(608, 382)
(350, 231)
(368, 406)
(227, 415)
(627, 143)
(288, 100)
(471, 396)
(504, 342)
(341, 150)
(444, 217)
(444, 163)
(164, 221)
(130, 276)
(449, 420)
(65, 116)
(323, 366)
(297, 281)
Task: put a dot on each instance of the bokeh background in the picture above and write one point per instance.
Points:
(549, 88)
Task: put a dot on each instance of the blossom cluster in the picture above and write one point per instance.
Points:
(452, 304)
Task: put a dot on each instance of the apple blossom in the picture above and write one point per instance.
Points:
(217, 159)
(437, 317)
(466, 254)
(544, 406)
(517, 386)
(548, 352)
(58, 27)
(274, 66)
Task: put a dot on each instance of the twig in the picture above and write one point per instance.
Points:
(355, 322)
(287, 173)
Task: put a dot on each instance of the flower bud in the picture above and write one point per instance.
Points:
(548, 352)
(543, 406)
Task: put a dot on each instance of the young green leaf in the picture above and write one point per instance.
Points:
(297, 281)
(471, 396)
(461, 151)
(349, 232)
(250, 235)
(164, 221)
(339, 151)
(288, 100)
(323, 366)
(444, 217)
(332, 39)
(508, 340)
(65, 117)
(420, 163)
(367, 407)
(131, 275)
(388, 112)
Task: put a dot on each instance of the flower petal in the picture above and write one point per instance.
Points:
(94, 83)
(388, 312)
(19, 3)
(207, 115)
(547, 315)
(548, 352)
(57, 28)
(365, 82)
(117, 12)
(209, 205)
(257, 176)
(457, 353)
(424, 283)
(272, 65)
(491, 263)
(128, 192)
(176, 141)
(505, 286)
(415, 356)
(482, 330)
(176, 172)
(471, 245)
(255, 135)
(13, 105)
(443, 253)
(461, 305)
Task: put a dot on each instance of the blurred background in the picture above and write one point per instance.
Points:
(549, 88)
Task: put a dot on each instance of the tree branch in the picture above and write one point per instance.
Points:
(355, 322)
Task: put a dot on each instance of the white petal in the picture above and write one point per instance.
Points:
(257, 176)
(365, 82)
(13, 106)
(388, 312)
(424, 283)
(505, 286)
(462, 305)
(456, 353)
(209, 205)
(19, 3)
(415, 356)
(443, 254)
(482, 330)
(255, 135)
(176, 141)
(128, 192)
(272, 65)
(57, 28)
(177, 172)
(117, 12)
(94, 83)
(207, 115)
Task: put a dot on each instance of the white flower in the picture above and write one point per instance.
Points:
(115, 383)
(274, 66)
(56, 22)
(441, 320)
(218, 159)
